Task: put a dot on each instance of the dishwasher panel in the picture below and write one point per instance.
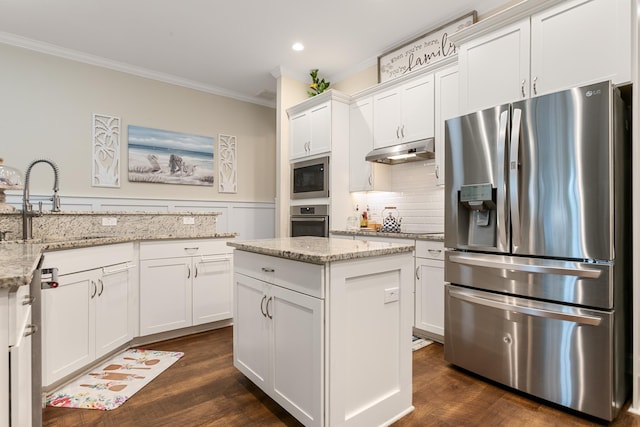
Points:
(556, 352)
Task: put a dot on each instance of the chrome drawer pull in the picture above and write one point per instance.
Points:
(530, 311)
(588, 273)
(268, 270)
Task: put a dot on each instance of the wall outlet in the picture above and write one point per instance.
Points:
(391, 295)
(188, 220)
(109, 221)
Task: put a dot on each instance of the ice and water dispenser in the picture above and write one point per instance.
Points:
(477, 215)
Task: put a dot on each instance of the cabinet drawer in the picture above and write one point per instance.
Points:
(295, 275)
(385, 239)
(429, 249)
(179, 248)
(19, 314)
(83, 259)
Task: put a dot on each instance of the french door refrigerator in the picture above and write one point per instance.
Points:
(537, 201)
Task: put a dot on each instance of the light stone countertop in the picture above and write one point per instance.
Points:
(435, 237)
(19, 259)
(18, 262)
(319, 250)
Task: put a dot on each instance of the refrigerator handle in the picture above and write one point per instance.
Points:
(513, 178)
(502, 210)
(480, 261)
(530, 311)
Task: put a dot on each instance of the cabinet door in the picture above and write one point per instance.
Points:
(418, 109)
(251, 330)
(165, 294)
(360, 144)
(297, 331)
(447, 103)
(580, 42)
(387, 117)
(300, 138)
(21, 399)
(494, 69)
(429, 300)
(112, 309)
(320, 129)
(212, 288)
(68, 338)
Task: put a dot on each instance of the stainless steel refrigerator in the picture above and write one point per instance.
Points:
(537, 231)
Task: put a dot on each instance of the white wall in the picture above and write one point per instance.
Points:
(419, 202)
(46, 107)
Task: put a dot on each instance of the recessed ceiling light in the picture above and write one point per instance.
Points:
(297, 47)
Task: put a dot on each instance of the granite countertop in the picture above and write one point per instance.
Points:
(18, 212)
(319, 250)
(436, 237)
(20, 259)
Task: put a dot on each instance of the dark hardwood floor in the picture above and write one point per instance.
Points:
(204, 389)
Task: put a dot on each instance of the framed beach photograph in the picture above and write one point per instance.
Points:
(166, 157)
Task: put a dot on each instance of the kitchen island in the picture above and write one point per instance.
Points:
(324, 327)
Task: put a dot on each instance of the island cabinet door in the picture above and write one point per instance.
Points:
(251, 348)
(297, 353)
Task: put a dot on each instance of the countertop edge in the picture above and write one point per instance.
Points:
(435, 237)
(320, 259)
(28, 253)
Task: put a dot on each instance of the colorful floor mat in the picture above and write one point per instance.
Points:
(115, 381)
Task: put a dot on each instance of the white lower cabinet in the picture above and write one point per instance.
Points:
(429, 292)
(330, 343)
(184, 283)
(88, 314)
(19, 366)
(21, 398)
(278, 345)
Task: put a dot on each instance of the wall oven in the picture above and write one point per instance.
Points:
(310, 178)
(310, 220)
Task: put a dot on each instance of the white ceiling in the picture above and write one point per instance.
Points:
(228, 47)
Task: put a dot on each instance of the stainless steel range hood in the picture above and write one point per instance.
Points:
(402, 153)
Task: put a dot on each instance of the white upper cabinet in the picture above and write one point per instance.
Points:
(571, 44)
(404, 113)
(364, 175)
(580, 42)
(494, 69)
(447, 105)
(311, 131)
(319, 125)
(300, 129)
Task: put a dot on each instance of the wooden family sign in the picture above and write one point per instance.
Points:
(426, 50)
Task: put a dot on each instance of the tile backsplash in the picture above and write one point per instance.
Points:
(419, 202)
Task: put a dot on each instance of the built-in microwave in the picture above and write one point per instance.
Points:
(310, 178)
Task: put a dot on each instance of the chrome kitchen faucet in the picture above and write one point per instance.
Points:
(27, 207)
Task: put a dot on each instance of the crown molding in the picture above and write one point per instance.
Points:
(73, 55)
(510, 15)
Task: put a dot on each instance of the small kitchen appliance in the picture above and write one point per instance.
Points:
(391, 221)
(310, 179)
(310, 220)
